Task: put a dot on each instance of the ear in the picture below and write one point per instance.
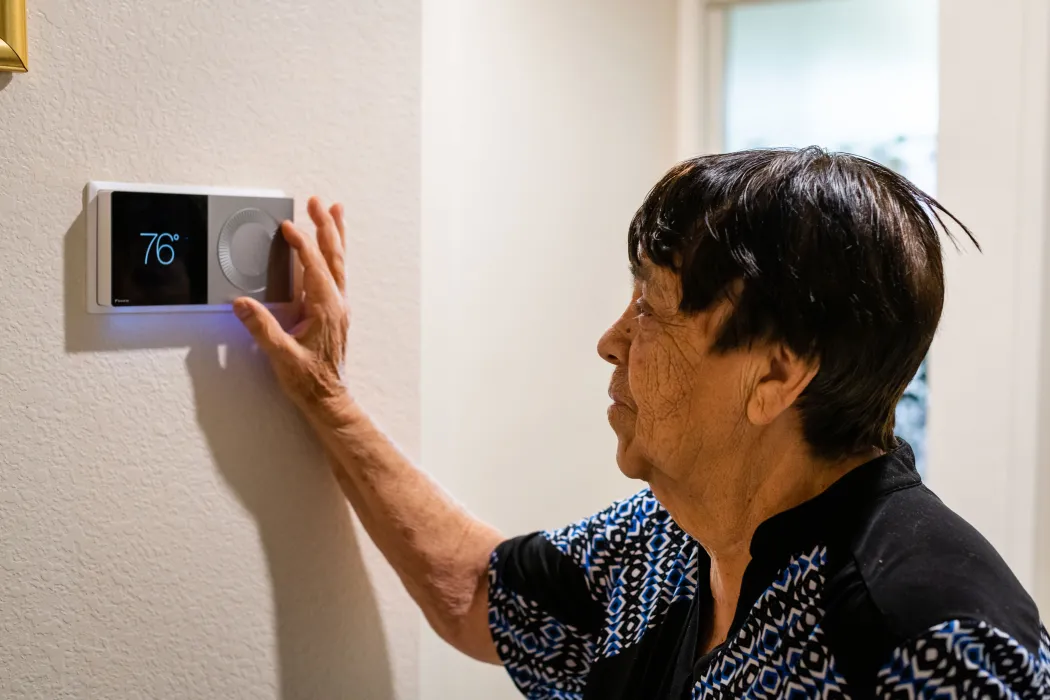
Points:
(783, 375)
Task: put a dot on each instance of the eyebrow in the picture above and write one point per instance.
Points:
(639, 272)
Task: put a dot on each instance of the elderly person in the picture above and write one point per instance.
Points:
(785, 545)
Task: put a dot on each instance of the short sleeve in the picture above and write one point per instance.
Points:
(963, 659)
(549, 595)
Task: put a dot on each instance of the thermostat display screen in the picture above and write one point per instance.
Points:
(159, 249)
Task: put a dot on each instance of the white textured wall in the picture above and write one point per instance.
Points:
(544, 124)
(167, 526)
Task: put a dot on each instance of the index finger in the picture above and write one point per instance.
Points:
(305, 246)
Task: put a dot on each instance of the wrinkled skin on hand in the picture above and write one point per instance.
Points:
(308, 358)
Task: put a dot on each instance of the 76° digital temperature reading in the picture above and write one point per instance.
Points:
(161, 244)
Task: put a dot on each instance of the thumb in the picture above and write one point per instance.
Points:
(264, 328)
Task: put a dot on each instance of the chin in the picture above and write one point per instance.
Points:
(632, 466)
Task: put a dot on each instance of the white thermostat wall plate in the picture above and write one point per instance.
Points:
(169, 248)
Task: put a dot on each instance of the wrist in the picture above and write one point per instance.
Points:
(334, 410)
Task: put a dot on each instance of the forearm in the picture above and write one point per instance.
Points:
(439, 550)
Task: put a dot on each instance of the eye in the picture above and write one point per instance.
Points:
(642, 309)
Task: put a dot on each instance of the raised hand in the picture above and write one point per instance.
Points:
(308, 358)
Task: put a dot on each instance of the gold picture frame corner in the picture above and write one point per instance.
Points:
(13, 40)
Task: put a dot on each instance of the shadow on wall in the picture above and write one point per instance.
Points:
(330, 638)
(5, 80)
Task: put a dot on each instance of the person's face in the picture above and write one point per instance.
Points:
(676, 404)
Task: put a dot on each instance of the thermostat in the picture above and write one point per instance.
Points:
(157, 248)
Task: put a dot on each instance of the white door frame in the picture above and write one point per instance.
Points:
(988, 457)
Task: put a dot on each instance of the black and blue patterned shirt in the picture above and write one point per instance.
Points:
(873, 589)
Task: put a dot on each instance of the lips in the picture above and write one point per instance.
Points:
(618, 393)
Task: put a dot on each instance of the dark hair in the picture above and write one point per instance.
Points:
(834, 255)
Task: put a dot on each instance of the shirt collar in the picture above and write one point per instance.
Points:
(845, 500)
(833, 513)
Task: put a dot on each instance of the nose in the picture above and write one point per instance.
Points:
(615, 344)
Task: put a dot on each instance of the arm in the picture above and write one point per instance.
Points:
(440, 552)
(964, 658)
